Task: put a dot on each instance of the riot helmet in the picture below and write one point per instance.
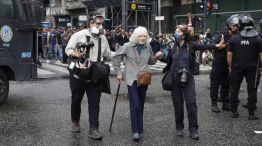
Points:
(232, 20)
(246, 22)
(247, 26)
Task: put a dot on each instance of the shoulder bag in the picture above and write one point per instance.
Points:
(99, 70)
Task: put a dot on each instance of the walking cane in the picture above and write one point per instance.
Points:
(113, 114)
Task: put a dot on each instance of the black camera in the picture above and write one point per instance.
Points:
(182, 76)
(82, 46)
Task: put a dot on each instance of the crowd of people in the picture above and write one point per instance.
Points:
(54, 41)
(235, 54)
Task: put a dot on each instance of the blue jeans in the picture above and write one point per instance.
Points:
(52, 49)
(136, 95)
(60, 53)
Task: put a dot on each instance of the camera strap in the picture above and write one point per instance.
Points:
(88, 51)
(99, 50)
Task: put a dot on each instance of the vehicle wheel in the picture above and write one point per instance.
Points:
(4, 86)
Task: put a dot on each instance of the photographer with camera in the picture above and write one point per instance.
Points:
(84, 49)
(181, 65)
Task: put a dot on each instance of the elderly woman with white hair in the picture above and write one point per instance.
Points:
(138, 56)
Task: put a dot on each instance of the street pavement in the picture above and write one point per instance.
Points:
(37, 113)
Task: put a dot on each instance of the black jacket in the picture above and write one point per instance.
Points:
(191, 47)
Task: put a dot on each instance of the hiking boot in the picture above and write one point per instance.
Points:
(94, 134)
(225, 107)
(76, 127)
(136, 137)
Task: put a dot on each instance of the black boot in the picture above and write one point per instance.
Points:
(225, 106)
(214, 107)
(252, 115)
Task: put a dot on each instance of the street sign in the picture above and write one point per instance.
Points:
(46, 25)
(159, 18)
(215, 6)
(68, 24)
(82, 18)
(140, 7)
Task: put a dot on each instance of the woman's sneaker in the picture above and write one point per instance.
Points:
(136, 137)
(95, 134)
(194, 135)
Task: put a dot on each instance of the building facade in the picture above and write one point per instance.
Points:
(72, 12)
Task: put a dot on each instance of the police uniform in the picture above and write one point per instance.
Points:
(78, 86)
(219, 73)
(246, 105)
(245, 51)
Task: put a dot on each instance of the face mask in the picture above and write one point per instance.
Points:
(177, 36)
(95, 30)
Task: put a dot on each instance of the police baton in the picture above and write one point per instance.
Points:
(113, 114)
(257, 70)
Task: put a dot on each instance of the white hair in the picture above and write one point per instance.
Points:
(137, 32)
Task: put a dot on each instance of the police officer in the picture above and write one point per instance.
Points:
(259, 75)
(244, 52)
(78, 85)
(219, 73)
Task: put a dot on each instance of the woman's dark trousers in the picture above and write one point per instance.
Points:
(187, 93)
(136, 95)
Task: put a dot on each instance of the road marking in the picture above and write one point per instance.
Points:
(258, 132)
(56, 67)
(44, 72)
